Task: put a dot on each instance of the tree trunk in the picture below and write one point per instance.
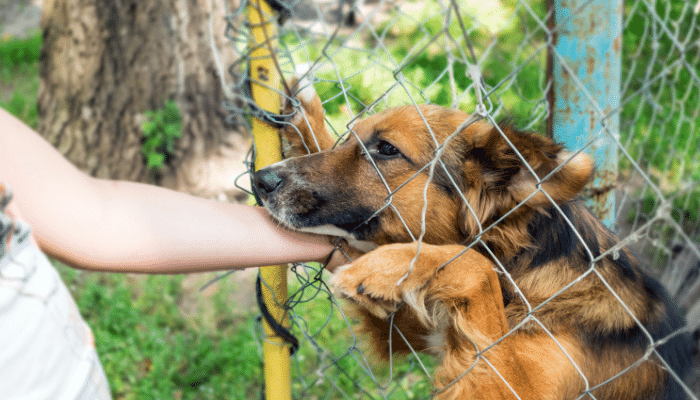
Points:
(106, 62)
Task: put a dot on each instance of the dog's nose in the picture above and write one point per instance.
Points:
(267, 180)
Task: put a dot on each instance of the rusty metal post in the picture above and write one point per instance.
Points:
(586, 80)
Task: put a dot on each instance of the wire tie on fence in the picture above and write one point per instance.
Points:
(616, 254)
(270, 118)
(284, 11)
(475, 74)
(280, 330)
(664, 211)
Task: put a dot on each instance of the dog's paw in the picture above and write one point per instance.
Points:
(382, 280)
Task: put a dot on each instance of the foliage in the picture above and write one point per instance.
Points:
(19, 51)
(659, 119)
(19, 77)
(161, 130)
(404, 49)
(22, 102)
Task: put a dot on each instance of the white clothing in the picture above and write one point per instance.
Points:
(47, 351)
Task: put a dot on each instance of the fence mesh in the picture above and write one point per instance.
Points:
(366, 56)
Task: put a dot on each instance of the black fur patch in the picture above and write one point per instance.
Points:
(676, 351)
(553, 237)
(364, 230)
(657, 326)
(346, 215)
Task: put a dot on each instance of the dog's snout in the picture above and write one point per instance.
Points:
(267, 180)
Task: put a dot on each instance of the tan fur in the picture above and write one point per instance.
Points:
(307, 119)
(469, 288)
(462, 300)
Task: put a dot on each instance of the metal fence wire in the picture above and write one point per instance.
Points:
(488, 57)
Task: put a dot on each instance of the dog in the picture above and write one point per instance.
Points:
(503, 273)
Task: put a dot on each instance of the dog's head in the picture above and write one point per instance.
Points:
(373, 187)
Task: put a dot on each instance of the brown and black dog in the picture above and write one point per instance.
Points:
(515, 285)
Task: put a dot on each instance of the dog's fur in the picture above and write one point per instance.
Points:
(530, 308)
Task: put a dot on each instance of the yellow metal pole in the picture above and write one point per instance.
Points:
(264, 79)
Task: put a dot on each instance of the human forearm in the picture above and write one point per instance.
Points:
(130, 227)
(150, 229)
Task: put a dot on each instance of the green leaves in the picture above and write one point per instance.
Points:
(18, 51)
(161, 130)
(19, 77)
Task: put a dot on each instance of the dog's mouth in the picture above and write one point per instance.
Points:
(299, 205)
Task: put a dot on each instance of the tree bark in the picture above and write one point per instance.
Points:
(105, 62)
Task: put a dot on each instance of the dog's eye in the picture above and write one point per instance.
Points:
(387, 149)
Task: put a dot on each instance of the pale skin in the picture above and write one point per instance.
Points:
(116, 226)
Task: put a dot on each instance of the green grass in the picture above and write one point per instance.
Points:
(16, 51)
(19, 77)
(150, 350)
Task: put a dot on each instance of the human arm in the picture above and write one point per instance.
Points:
(121, 226)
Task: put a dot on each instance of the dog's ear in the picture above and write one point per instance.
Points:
(305, 131)
(525, 166)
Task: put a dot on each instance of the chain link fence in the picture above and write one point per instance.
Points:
(491, 57)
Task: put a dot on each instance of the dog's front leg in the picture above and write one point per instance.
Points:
(456, 295)
(388, 277)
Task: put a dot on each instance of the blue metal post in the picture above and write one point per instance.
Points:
(586, 69)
